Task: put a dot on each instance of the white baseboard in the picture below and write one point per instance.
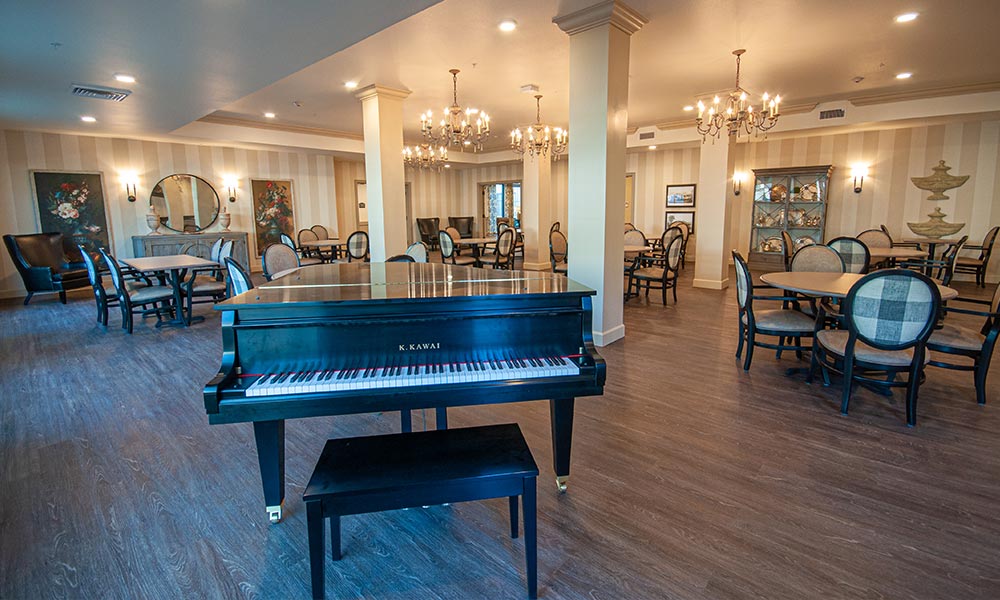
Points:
(603, 338)
(536, 266)
(711, 284)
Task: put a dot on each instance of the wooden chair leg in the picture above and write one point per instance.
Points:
(743, 334)
(750, 346)
(848, 380)
(781, 342)
(912, 388)
(982, 368)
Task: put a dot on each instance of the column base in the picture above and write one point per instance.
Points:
(536, 266)
(711, 284)
(603, 338)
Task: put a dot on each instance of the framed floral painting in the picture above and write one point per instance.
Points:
(272, 211)
(72, 203)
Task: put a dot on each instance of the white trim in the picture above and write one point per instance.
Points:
(603, 338)
(711, 284)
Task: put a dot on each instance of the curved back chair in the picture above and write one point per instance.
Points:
(889, 316)
(131, 299)
(428, 230)
(464, 225)
(454, 233)
(448, 253)
(658, 271)
(417, 251)
(506, 245)
(875, 238)
(357, 247)
(555, 227)
(239, 279)
(321, 232)
(787, 249)
(400, 258)
(287, 240)
(685, 230)
(817, 258)
(854, 254)
(633, 237)
(558, 248)
(629, 227)
(955, 339)
(214, 253)
(307, 235)
(105, 296)
(777, 322)
(949, 260)
(978, 266)
(278, 258)
(42, 262)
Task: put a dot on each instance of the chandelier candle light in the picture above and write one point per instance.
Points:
(469, 127)
(539, 138)
(739, 115)
(425, 157)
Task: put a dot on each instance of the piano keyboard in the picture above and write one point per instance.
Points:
(308, 382)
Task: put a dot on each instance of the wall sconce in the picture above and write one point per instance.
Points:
(858, 172)
(738, 178)
(130, 179)
(229, 182)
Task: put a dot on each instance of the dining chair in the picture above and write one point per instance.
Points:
(506, 249)
(978, 345)
(428, 229)
(978, 266)
(854, 254)
(400, 258)
(888, 315)
(135, 300)
(685, 230)
(942, 270)
(358, 248)
(321, 232)
(875, 238)
(455, 235)
(660, 270)
(206, 287)
(105, 295)
(417, 251)
(558, 252)
(278, 258)
(629, 227)
(787, 249)
(464, 225)
(775, 322)
(239, 279)
(555, 227)
(448, 254)
(816, 258)
(897, 244)
(307, 235)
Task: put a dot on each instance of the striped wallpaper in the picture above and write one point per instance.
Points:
(21, 151)
(654, 171)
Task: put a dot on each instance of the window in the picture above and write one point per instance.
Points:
(501, 200)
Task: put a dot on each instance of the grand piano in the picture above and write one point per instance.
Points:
(368, 337)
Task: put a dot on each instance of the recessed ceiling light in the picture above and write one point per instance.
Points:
(88, 119)
(350, 84)
(508, 25)
(652, 147)
(907, 17)
(904, 75)
(689, 108)
(124, 78)
(269, 115)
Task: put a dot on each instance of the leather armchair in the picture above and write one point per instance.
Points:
(46, 264)
(428, 228)
(464, 225)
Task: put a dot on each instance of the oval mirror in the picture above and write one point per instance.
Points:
(185, 203)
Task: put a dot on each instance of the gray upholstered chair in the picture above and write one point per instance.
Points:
(132, 300)
(558, 252)
(239, 280)
(277, 259)
(978, 266)
(854, 254)
(321, 232)
(777, 322)
(889, 316)
(956, 340)
(417, 251)
(875, 238)
(448, 254)
(659, 270)
(817, 259)
(105, 294)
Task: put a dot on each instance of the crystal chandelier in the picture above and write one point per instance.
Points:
(425, 156)
(539, 138)
(467, 127)
(739, 115)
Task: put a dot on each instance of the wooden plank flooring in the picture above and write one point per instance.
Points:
(690, 479)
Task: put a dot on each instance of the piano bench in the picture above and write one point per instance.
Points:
(407, 470)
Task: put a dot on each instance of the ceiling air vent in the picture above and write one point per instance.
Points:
(647, 136)
(836, 113)
(100, 92)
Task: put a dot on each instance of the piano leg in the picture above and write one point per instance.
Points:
(270, 438)
(405, 421)
(441, 417)
(561, 413)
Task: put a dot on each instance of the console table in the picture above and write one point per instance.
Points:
(167, 244)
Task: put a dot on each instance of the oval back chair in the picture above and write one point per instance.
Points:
(417, 251)
(278, 258)
(816, 258)
(854, 254)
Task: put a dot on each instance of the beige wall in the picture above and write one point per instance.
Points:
(315, 199)
(654, 171)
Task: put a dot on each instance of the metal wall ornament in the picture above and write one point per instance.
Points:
(425, 157)
(938, 183)
(467, 128)
(539, 138)
(738, 116)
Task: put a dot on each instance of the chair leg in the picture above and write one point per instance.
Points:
(27, 298)
(675, 290)
(798, 347)
(912, 387)
(750, 345)
(813, 364)
(663, 292)
(982, 367)
(781, 342)
(848, 381)
(62, 296)
(512, 501)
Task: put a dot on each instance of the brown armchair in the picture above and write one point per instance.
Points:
(46, 264)
(428, 228)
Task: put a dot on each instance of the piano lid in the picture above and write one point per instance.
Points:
(399, 281)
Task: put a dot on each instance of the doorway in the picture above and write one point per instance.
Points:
(630, 198)
(501, 199)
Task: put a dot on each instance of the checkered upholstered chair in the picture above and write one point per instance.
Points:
(817, 259)
(417, 251)
(558, 251)
(239, 279)
(448, 253)
(956, 340)
(889, 315)
(658, 270)
(978, 266)
(854, 254)
(357, 248)
(506, 248)
(277, 259)
(777, 322)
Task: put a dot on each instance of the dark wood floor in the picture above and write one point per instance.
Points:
(690, 479)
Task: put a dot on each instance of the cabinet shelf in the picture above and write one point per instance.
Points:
(788, 182)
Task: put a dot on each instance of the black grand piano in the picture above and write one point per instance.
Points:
(367, 337)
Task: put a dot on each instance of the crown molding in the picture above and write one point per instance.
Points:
(954, 90)
(238, 122)
(612, 12)
(376, 90)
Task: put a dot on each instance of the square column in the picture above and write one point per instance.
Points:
(382, 109)
(711, 267)
(536, 211)
(598, 118)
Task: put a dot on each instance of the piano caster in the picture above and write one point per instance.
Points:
(274, 514)
(561, 483)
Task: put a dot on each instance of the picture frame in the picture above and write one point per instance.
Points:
(681, 195)
(686, 216)
(73, 203)
(273, 211)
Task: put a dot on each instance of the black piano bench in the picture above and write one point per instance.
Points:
(407, 470)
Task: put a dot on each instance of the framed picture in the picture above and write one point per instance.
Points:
(72, 203)
(680, 195)
(687, 217)
(273, 211)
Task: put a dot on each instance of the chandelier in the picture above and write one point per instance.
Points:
(739, 115)
(467, 127)
(425, 157)
(538, 138)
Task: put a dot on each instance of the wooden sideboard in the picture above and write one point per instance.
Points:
(162, 245)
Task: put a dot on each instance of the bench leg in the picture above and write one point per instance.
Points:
(270, 438)
(561, 414)
(314, 517)
(530, 536)
(513, 516)
(335, 537)
(441, 417)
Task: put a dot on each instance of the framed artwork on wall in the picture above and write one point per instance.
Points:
(273, 211)
(72, 203)
(687, 217)
(680, 196)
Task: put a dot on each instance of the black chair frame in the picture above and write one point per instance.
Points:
(982, 357)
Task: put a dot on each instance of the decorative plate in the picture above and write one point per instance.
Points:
(771, 244)
(796, 217)
(778, 193)
(809, 192)
(804, 241)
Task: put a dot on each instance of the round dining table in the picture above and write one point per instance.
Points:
(637, 249)
(477, 244)
(879, 254)
(827, 285)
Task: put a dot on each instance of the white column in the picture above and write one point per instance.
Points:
(711, 267)
(536, 211)
(382, 109)
(598, 119)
